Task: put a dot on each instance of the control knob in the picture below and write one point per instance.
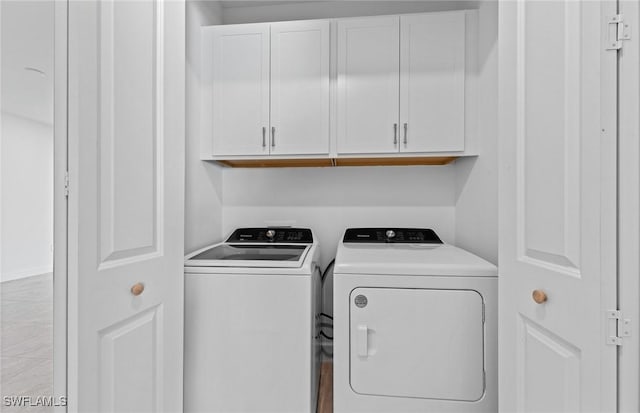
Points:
(270, 234)
(390, 234)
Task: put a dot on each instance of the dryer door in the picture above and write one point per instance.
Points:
(423, 343)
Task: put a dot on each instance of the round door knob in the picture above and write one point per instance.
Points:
(390, 234)
(137, 289)
(270, 234)
(539, 296)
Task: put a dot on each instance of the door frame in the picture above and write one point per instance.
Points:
(629, 208)
(60, 208)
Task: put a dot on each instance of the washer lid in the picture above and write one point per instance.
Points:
(249, 255)
(410, 259)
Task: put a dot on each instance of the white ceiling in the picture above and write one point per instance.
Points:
(27, 59)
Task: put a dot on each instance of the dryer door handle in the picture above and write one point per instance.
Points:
(362, 340)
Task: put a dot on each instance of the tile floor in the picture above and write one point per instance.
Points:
(26, 340)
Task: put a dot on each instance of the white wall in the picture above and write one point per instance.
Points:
(26, 139)
(328, 200)
(477, 178)
(27, 197)
(203, 186)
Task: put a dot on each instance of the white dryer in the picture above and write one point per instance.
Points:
(251, 323)
(415, 324)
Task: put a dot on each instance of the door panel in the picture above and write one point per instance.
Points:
(557, 221)
(126, 173)
(128, 108)
(300, 88)
(551, 370)
(129, 352)
(368, 85)
(240, 87)
(549, 206)
(432, 82)
(421, 343)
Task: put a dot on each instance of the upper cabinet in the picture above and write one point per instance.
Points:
(240, 88)
(401, 84)
(369, 87)
(269, 88)
(432, 82)
(300, 88)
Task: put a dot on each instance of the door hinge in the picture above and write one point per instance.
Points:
(66, 184)
(622, 327)
(618, 31)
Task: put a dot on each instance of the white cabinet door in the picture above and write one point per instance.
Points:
(557, 207)
(126, 205)
(368, 85)
(300, 88)
(240, 88)
(432, 75)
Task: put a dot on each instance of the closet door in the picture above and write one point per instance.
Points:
(299, 88)
(558, 203)
(432, 75)
(240, 88)
(125, 298)
(368, 85)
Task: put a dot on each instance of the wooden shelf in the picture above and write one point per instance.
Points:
(327, 162)
(276, 163)
(415, 160)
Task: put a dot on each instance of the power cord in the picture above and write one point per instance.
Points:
(326, 270)
(322, 333)
(326, 315)
(323, 276)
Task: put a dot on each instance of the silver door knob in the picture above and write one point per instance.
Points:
(390, 234)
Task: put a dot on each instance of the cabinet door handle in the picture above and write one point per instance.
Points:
(405, 132)
(264, 136)
(273, 136)
(395, 133)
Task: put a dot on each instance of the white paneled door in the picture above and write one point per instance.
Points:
(557, 207)
(126, 174)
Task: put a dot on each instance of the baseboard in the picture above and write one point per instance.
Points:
(29, 272)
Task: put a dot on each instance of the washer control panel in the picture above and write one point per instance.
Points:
(397, 235)
(283, 235)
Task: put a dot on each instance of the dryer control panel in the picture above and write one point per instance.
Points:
(283, 235)
(397, 235)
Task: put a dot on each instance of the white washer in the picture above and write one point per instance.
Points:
(251, 323)
(415, 325)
